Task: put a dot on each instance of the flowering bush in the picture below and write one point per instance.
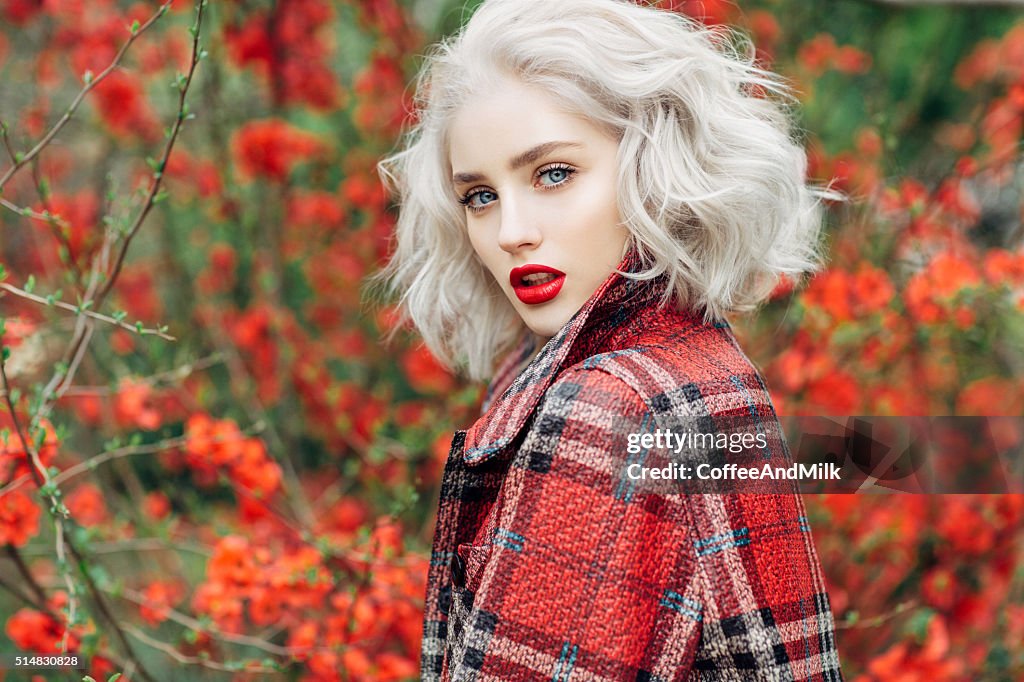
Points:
(209, 459)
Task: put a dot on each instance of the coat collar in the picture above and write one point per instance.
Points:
(614, 302)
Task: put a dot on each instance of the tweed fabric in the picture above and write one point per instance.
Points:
(572, 570)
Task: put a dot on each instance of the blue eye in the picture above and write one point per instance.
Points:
(556, 175)
(481, 199)
(486, 197)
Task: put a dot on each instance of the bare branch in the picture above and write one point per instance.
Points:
(158, 173)
(144, 331)
(131, 545)
(191, 660)
(170, 376)
(875, 621)
(35, 215)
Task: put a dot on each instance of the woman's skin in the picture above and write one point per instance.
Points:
(556, 208)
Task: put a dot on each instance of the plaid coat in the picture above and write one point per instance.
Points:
(549, 564)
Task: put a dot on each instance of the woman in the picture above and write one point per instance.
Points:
(590, 187)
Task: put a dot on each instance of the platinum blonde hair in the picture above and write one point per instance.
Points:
(710, 184)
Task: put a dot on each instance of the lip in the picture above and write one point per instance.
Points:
(537, 293)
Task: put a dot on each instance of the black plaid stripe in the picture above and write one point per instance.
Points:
(753, 642)
(468, 648)
(543, 437)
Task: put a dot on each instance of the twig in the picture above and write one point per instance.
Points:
(57, 509)
(144, 331)
(133, 545)
(171, 375)
(159, 171)
(15, 556)
(127, 451)
(232, 638)
(59, 227)
(30, 213)
(191, 660)
(16, 591)
(879, 619)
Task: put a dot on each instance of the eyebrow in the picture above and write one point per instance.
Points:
(517, 162)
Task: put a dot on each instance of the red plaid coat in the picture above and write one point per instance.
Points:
(549, 564)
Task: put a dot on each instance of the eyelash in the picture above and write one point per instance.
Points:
(571, 172)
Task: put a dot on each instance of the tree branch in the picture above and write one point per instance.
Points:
(78, 310)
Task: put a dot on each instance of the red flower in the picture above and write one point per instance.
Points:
(20, 12)
(991, 396)
(850, 60)
(834, 394)
(160, 596)
(86, 505)
(425, 373)
(929, 293)
(156, 506)
(80, 212)
(14, 461)
(137, 293)
(381, 98)
(19, 518)
(123, 106)
(965, 531)
(135, 406)
(1001, 266)
(272, 148)
(15, 331)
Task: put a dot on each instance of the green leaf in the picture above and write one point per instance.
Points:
(87, 77)
(114, 678)
(119, 316)
(160, 196)
(88, 678)
(3, 273)
(138, 326)
(135, 27)
(30, 284)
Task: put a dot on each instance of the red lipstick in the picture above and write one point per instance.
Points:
(533, 290)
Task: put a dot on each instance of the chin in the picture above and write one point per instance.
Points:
(545, 325)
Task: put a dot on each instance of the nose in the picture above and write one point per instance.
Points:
(519, 229)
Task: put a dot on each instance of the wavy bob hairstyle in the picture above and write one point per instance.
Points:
(710, 184)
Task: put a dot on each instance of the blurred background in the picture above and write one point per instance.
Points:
(250, 474)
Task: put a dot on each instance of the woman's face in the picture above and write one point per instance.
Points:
(538, 186)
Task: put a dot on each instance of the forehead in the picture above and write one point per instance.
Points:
(493, 126)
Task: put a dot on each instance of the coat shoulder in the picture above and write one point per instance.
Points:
(700, 373)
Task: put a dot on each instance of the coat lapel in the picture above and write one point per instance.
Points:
(612, 304)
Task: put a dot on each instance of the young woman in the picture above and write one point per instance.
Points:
(591, 186)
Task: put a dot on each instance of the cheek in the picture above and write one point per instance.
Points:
(483, 248)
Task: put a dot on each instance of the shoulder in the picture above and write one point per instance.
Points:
(701, 371)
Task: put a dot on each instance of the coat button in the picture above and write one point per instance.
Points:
(458, 569)
(444, 601)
